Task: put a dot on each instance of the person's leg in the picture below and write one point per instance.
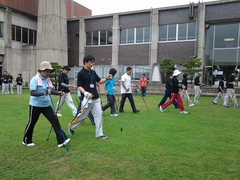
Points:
(226, 98)
(111, 102)
(124, 96)
(34, 113)
(97, 113)
(91, 117)
(108, 104)
(11, 87)
(179, 100)
(60, 134)
(170, 101)
(70, 103)
(62, 99)
(166, 95)
(217, 98)
(144, 91)
(234, 99)
(131, 100)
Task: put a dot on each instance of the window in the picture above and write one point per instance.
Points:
(24, 35)
(1, 30)
(96, 38)
(31, 36)
(18, 33)
(177, 32)
(135, 35)
(14, 33)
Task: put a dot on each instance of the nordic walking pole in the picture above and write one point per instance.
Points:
(55, 113)
(101, 102)
(144, 101)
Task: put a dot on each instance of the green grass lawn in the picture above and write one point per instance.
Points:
(202, 145)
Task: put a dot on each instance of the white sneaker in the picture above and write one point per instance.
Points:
(114, 115)
(196, 101)
(28, 145)
(191, 105)
(58, 114)
(64, 143)
(183, 112)
(160, 108)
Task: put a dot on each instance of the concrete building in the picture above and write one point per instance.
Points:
(142, 39)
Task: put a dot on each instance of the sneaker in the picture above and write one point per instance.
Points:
(237, 106)
(28, 145)
(136, 111)
(58, 114)
(225, 106)
(191, 105)
(103, 137)
(114, 115)
(213, 103)
(70, 131)
(183, 112)
(160, 108)
(64, 143)
(196, 101)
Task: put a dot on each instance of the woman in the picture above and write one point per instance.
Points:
(40, 102)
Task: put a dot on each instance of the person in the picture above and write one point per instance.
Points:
(220, 90)
(90, 115)
(40, 103)
(110, 92)
(4, 79)
(174, 94)
(126, 91)
(19, 81)
(10, 83)
(86, 82)
(143, 84)
(230, 90)
(63, 85)
(184, 90)
(197, 87)
(167, 94)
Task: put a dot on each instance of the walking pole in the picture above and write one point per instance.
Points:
(144, 101)
(101, 102)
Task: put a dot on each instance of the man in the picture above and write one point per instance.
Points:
(126, 90)
(86, 82)
(4, 79)
(143, 84)
(63, 85)
(230, 90)
(197, 87)
(10, 83)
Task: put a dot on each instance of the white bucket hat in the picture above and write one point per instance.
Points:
(176, 73)
(46, 65)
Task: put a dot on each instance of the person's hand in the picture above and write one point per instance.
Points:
(61, 93)
(127, 89)
(90, 96)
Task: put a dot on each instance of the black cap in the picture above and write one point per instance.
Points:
(66, 68)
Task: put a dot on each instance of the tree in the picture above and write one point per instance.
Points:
(192, 66)
(168, 66)
(54, 76)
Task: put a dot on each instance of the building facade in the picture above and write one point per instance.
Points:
(142, 39)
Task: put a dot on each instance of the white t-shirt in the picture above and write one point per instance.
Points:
(127, 81)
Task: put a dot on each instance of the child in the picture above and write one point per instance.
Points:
(19, 81)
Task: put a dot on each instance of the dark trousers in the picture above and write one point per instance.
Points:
(167, 95)
(130, 98)
(144, 89)
(111, 100)
(34, 114)
(90, 115)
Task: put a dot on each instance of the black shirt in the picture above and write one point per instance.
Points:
(169, 83)
(5, 79)
(221, 84)
(230, 78)
(63, 78)
(85, 78)
(196, 81)
(19, 81)
(175, 87)
(185, 83)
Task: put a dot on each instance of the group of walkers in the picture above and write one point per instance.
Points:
(7, 83)
(90, 102)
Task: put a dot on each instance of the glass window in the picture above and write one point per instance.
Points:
(147, 34)
(139, 35)
(30, 41)
(182, 31)
(1, 30)
(18, 33)
(24, 35)
(13, 32)
(225, 56)
(103, 37)
(123, 34)
(109, 36)
(95, 38)
(130, 35)
(226, 36)
(191, 31)
(163, 33)
(88, 38)
(35, 37)
(172, 32)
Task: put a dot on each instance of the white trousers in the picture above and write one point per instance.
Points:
(219, 95)
(68, 98)
(19, 89)
(197, 93)
(230, 94)
(96, 109)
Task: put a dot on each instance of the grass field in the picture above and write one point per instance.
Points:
(202, 145)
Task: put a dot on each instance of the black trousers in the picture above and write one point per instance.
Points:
(111, 100)
(130, 98)
(34, 114)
